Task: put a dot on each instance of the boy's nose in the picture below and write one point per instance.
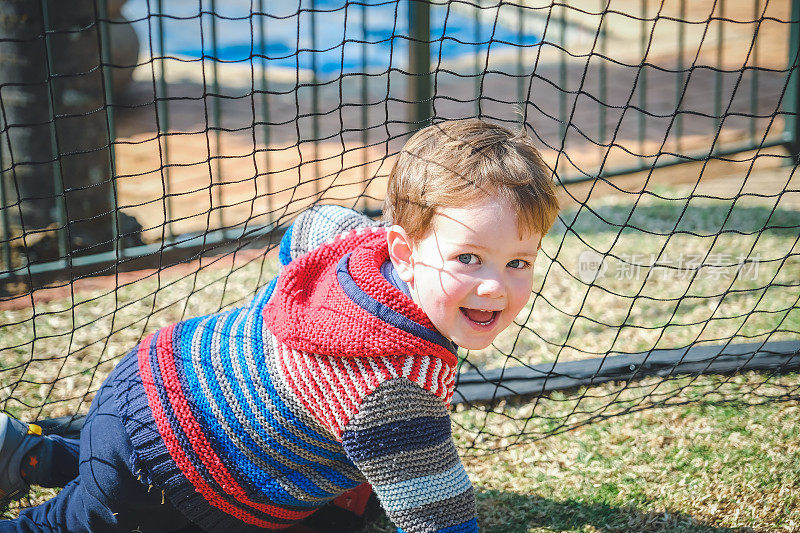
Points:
(491, 288)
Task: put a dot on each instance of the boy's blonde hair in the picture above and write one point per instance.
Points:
(454, 163)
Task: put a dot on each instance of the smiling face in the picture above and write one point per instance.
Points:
(471, 273)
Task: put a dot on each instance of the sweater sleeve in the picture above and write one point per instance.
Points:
(401, 441)
(315, 226)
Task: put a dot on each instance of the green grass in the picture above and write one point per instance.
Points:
(685, 453)
(704, 468)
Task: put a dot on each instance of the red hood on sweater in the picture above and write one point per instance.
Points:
(335, 301)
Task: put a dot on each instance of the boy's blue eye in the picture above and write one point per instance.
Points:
(467, 259)
(517, 263)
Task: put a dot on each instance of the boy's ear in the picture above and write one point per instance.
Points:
(400, 252)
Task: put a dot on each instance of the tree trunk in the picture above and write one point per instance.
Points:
(56, 156)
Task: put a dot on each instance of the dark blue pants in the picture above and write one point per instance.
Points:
(106, 495)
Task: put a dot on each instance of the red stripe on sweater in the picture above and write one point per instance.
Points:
(285, 365)
(365, 371)
(330, 387)
(398, 363)
(415, 370)
(382, 368)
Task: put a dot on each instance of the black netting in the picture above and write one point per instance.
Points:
(151, 151)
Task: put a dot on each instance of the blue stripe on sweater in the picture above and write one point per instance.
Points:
(385, 313)
(394, 437)
(285, 251)
(254, 473)
(424, 490)
(226, 410)
(261, 299)
(202, 405)
(264, 294)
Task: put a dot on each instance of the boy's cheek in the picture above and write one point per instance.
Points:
(522, 295)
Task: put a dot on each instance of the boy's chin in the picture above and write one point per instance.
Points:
(474, 344)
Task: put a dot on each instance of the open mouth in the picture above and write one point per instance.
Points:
(481, 317)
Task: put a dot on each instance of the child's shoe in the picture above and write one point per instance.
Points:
(16, 440)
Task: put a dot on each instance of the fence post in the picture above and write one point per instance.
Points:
(419, 64)
(791, 103)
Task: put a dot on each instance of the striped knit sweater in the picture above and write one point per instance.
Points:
(255, 417)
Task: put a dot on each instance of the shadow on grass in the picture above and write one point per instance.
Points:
(507, 512)
(504, 512)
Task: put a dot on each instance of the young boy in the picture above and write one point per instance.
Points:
(338, 373)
